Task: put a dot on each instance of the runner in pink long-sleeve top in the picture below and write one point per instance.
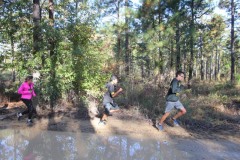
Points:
(27, 92)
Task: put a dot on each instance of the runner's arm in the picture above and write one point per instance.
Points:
(175, 87)
(115, 94)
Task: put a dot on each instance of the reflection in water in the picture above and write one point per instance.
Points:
(51, 145)
(27, 144)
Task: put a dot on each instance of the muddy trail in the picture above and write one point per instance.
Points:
(128, 120)
(75, 134)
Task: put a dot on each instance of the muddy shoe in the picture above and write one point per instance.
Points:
(159, 126)
(174, 122)
(29, 122)
(102, 123)
(19, 115)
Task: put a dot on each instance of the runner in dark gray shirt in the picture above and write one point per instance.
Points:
(172, 101)
(108, 102)
(107, 98)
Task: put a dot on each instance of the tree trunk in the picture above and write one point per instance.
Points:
(178, 54)
(202, 61)
(36, 28)
(219, 63)
(232, 43)
(216, 64)
(185, 58)
(51, 18)
(119, 57)
(126, 38)
(196, 66)
(52, 55)
(51, 12)
(160, 54)
(171, 54)
(191, 41)
(131, 63)
(148, 65)
(142, 70)
(211, 66)
(13, 59)
(206, 69)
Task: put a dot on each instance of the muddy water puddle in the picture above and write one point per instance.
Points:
(32, 144)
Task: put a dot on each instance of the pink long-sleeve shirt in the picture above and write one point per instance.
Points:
(24, 90)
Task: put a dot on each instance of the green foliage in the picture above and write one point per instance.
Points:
(77, 63)
(88, 42)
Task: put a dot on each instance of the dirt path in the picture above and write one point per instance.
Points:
(117, 124)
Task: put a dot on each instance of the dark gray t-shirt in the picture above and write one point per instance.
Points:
(175, 87)
(107, 98)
